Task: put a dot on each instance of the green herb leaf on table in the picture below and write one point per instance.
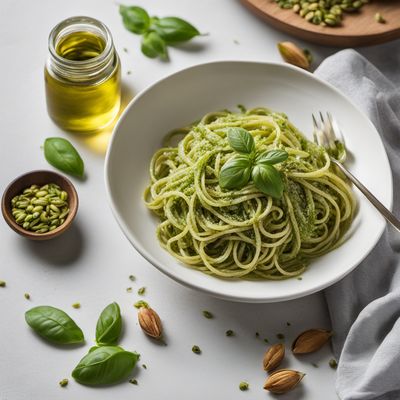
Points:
(174, 30)
(235, 173)
(157, 32)
(240, 140)
(268, 180)
(61, 154)
(54, 325)
(135, 19)
(105, 366)
(154, 46)
(272, 157)
(109, 325)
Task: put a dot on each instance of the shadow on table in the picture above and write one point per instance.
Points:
(61, 251)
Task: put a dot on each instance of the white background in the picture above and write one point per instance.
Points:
(91, 263)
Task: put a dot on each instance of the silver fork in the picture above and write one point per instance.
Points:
(328, 134)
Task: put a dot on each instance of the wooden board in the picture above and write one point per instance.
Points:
(357, 29)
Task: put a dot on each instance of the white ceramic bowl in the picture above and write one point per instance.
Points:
(189, 94)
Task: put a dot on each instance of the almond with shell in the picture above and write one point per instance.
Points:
(150, 322)
(310, 341)
(283, 381)
(273, 357)
(292, 54)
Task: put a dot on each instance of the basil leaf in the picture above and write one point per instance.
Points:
(235, 173)
(62, 155)
(104, 366)
(109, 324)
(54, 325)
(268, 180)
(135, 19)
(174, 30)
(153, 46)
(272, 157)
(240, 140)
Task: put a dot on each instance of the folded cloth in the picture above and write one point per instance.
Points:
(365, 306)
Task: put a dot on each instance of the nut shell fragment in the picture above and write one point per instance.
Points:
(273, 357)
(310, 341)
(150, 322)
(283, 380)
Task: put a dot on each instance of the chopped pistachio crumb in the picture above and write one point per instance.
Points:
(333, 363)
(132, 277)
(141, 291)
(128, 72)
(243, 386)
(288, 323)
(266, 340)
(63, 382)
(299, 278)
(76, 305)
(207, 314)
(140, 304)
(196, 349)
(280, 336)
(2, 283)
(133, 381)
(308, 55)
(379, 18)
(230, 332)
(125, 49)
(236, 41)
(144, 366)
(242, 108)
(314, 365)
(129, 289)
(257, 334)
(27, 296)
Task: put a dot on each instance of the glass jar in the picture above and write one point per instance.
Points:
(82, 75)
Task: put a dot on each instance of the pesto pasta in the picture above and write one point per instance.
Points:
(245, 233)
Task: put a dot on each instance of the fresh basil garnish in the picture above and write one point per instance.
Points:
(235, 173)
(157, 32)
(109, 324)
(135, 19)
(61, 154)
(174, 30)
(272, 157)
(240, 140)
(238, 171)
(104, 366)
(153, 46)
(54, 325)
(267, 180)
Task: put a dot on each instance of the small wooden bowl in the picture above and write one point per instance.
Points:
(39, 178)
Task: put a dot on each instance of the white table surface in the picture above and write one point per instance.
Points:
(91, 263)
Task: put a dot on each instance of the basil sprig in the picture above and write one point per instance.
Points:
(61, 154)
(109, 325)
(158, 33)
(54, 325)
(250, 164)
(104, 366)
(153, 46)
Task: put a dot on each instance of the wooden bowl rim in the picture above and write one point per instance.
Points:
(66, 185)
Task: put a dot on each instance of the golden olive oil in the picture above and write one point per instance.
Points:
(82, 79)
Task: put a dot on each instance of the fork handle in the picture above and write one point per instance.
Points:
(389, 216)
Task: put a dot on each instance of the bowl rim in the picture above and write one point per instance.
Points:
(5, 208)
(194, 285)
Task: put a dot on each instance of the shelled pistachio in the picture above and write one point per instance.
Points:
(322, 12)
(40, 209)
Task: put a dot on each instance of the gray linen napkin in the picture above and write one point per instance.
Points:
(365, 306)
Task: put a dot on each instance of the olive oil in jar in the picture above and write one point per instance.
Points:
(82, 75)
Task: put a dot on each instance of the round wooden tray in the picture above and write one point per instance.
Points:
(357, 29)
